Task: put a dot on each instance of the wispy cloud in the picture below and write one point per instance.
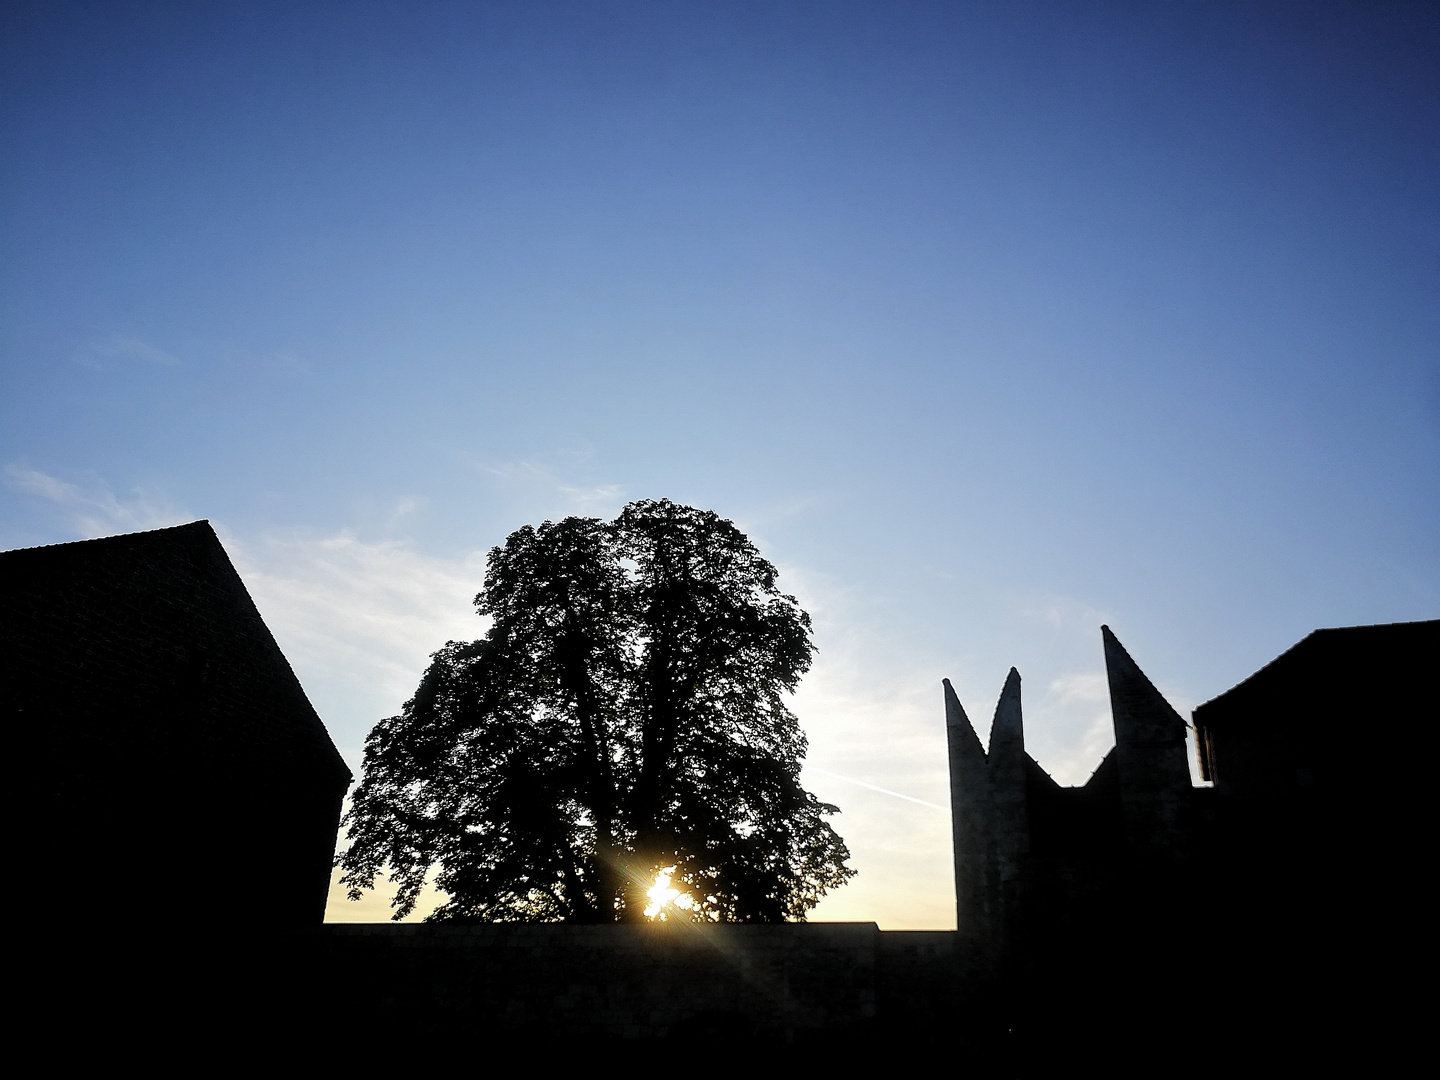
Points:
(122, 348)
(1065, 613)
(359, 620)
(876, 787)
(873, 716)
(1077, 703)
(92, 507)
(536, 482)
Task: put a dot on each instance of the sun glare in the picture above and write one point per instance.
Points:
(665, 900)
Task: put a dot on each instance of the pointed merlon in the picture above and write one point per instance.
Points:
(971, 817)
(1141, 712)
(1007, 731)
(962, 737)
(1150, 761)
(1009, 783)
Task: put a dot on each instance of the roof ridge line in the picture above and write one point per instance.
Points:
(115, 536)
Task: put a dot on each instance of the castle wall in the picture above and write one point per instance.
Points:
(792, 982)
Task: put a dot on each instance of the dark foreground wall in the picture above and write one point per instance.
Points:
(790, 983)
(836, 995)
(465, 993)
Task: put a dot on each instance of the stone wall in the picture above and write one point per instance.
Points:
(788, 983)
(478, 996)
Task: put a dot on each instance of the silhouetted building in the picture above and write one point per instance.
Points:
(1296, 723)
(1270, 901)
(1322, 809)
(174, 769)
(1032, 856)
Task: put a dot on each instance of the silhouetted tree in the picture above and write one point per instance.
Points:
(623, 715)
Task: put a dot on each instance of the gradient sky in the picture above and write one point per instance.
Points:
(989, 323)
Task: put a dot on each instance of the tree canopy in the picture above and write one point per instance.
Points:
(623, 717)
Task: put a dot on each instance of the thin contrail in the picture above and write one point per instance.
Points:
(873, 787)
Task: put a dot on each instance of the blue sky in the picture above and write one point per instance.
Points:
(988, 322)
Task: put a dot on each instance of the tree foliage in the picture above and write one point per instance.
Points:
(624, 715)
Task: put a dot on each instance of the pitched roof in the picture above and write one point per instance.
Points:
(154, 632)
(1338, 655)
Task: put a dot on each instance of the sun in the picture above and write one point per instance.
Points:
(665, 900)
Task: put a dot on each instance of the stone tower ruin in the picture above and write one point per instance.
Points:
(1277, 899)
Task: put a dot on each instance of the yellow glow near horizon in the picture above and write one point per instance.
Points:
(663, 896)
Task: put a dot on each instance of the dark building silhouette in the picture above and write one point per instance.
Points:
(173, 767)
(1321, 815)
(1032, 856)
(1273, 902)
(1293, 728)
